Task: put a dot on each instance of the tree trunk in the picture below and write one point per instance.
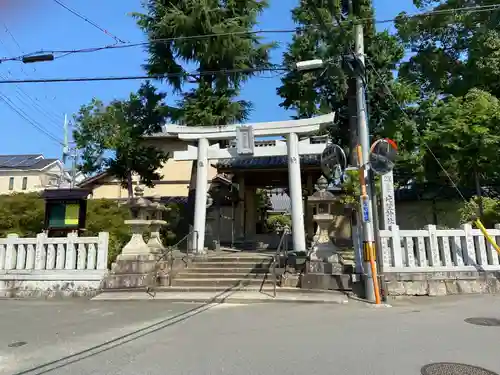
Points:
(434, 211)
(130, 187)
(479, 192)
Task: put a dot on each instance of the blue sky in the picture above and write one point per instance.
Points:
(46, 25)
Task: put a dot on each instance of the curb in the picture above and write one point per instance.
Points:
(226, 299)
(251, 301)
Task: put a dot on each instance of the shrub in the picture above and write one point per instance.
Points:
(20, 213)
(105, 215)
(491, 211)
(24, 214)
(276, 221)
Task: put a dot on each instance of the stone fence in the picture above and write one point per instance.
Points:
(44, 265)
(438, 262)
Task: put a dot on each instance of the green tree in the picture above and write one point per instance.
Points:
(464, 134)
(111, 137)
(454, 51)
(211, 97)
(312, 93)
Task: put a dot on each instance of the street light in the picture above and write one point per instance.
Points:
(302, 66)
(37, 58)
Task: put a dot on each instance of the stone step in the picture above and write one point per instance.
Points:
(246, 265)
(217, 288)
(234, 259)
(233, 270)
(223, 275)
(265, 287)
(229, 282)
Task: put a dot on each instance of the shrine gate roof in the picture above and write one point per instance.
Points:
(266, 162)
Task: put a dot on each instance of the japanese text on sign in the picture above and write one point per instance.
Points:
(388, 201)
(365, 209)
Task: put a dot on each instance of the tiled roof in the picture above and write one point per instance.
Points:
(176, 200)
(266, 162)
(280, 202)
(93, 179)
(163, 199)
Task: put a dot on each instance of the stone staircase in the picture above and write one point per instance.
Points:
(219, 272)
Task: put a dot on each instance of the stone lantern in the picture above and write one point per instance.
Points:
(140, 208)
(323, 250)
(156, 210)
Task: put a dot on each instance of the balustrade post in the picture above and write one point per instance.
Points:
(468, 249)
(102, 250)
(397, 255)
(40, 252)
(433, 246)
(11, 251)
(70, 263)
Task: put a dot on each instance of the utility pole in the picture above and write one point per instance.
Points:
(65, 152)
(369, 253)
(347, 9)
(73, 167)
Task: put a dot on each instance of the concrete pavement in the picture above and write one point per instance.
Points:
(146, 337)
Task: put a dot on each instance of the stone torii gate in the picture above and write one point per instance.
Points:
(245, 134)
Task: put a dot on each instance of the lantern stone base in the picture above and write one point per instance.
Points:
(131, 271)
(154, 243)
(324, 253)
(136, 245)
(321, 281)
(329, 268)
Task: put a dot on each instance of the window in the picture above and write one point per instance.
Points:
(11, 183)
(25, 183)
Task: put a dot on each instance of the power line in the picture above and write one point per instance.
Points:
(50, 114)
(12, 36)
(475, 9)
(24, 116)
(19, 111)
(141, 77)
(79, 15)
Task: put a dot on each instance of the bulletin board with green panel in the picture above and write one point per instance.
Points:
(65, 209)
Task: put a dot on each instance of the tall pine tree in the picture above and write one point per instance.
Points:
(188, 28)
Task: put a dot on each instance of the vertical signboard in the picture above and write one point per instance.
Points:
(388, 200)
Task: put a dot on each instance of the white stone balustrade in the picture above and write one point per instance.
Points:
(54, 253)
(433, 250)
(42, 263)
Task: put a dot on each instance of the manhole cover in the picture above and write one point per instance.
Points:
(445, 368)
(487, 322)
(17, 344)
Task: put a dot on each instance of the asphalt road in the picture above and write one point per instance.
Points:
(148, 337)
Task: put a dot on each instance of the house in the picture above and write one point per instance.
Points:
(29, 173)
(173, 186)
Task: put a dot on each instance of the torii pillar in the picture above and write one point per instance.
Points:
(293, 148)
